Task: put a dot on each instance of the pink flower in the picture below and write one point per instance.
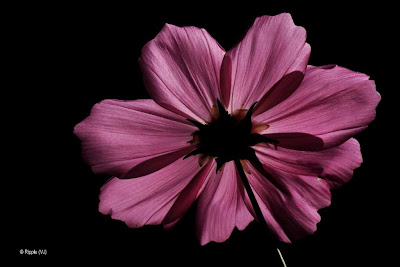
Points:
(290, 125)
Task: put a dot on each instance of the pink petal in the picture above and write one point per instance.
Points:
(147, 200)
(335, 165)
(225, 80)
(273, 47)
(181, 69)
(243, 215)
(280, 91)
(291, 214)
(344, 159)
(297, 141)
(332, 104)
(139, 135)
(188, 195)
(221, 207)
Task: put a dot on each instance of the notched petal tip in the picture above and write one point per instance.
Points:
(282, 16)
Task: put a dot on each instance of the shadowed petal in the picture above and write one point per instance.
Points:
(243, 215)
(138, 137)
(147, 200)
(297, 141)
(335, 165)
(293, 214)
(332, 103)
(226, 80)
(273, 47)
(188, 195)
(155, 163)
(181, 70)
(221, 206)
(280, 91)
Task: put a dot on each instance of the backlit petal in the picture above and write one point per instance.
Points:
(335, 165)
(291, 214)
(147, 199)
(181, 70)
(221, 206)
(135, 137)
(272, 48)
(332, 104)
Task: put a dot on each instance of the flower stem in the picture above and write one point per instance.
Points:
(255, 205)
(280, 255)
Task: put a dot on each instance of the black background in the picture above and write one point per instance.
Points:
(66, 58)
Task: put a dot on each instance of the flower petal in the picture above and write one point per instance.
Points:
(221, 206)
(243, 215)
(280, 91)
(291, 214)
(273, 47)
(344, 159)
(335, 165)
(188, 195)
(181, 69)
(121, 135)
(147, 200)
(332, 103)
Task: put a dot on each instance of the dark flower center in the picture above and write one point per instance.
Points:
(227, 137)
